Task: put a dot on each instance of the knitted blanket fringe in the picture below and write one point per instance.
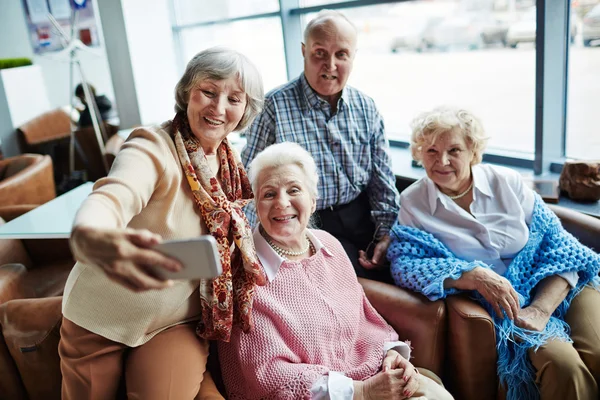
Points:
(420, 262)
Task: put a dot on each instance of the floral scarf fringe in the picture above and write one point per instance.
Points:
(227, 299)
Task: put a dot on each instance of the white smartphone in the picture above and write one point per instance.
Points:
(199, 257)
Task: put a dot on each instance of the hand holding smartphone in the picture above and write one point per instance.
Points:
(199, 257)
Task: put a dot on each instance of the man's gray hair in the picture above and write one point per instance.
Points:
(280, 155)
(323, 17)
(218, 63)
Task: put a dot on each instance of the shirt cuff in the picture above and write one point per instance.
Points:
(571, 277)
(401, 347)
(335, 386)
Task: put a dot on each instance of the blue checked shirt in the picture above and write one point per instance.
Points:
(349, 147)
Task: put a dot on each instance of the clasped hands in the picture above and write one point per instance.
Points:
(398, 379)
(503, 298)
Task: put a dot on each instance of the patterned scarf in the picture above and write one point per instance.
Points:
(227, 299)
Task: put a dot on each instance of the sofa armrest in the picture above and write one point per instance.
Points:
(584, 227)
(415, 318)
(31, 333)
(472, 358)
(11, 282)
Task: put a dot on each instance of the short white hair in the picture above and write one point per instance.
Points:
(428, 126)
(281, 155)
(218, 63)
(323, 18)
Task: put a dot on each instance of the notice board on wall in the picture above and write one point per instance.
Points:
(45, 38)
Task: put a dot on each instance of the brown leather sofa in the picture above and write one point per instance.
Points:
(48, 133)
(28, 269)
(26, 179)
(29, 361)
(471, 346)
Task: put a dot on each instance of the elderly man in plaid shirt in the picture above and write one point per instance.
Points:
(357, 201)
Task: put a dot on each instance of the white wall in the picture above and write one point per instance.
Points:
(15, 43)
(152, 53)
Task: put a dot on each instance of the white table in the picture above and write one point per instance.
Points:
(52, 220)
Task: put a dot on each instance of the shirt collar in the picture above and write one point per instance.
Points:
(270, 260)
(434, 193)
(313, 100)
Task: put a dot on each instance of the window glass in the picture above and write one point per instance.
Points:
(193, 11)
(260, 39)
(311, 3)
(417, 55)
(583, 135)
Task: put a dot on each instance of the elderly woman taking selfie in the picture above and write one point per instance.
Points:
(316, 335)
(473, 227)
(175, 181)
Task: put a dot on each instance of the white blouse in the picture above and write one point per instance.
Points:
(494, 232)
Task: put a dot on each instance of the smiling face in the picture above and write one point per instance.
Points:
(328, 57)
(284, 204)
(448, 162)
(214, 110)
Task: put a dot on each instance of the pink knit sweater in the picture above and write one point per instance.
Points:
(311, 319)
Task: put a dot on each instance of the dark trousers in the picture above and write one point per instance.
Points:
(351, 224)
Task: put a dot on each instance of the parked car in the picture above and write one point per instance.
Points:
(524, 30)
(591, 26)
(412, 35)
(470, 30)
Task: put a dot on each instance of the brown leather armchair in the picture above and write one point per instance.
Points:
(25, 179)
(29, 361)
(471, 364)
(48, 133)
(28, 269)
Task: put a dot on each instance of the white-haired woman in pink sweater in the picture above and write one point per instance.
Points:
(315, 335)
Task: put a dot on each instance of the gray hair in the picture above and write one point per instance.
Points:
(283, 154)
(428, 126)
(218, 63)
(323, 18)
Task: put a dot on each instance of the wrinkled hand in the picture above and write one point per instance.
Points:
(379, 254)
(533, 318)
(388, 385)
(394, 361)
(498, 291)
(124, 255)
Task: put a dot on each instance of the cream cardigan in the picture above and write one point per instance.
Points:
(145, 189)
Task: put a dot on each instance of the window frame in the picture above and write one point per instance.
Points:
(551, 73)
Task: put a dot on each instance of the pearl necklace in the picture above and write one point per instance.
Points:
(458, 196)
(284, 252)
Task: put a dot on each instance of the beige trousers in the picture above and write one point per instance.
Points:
(572, 370)
(169, 366)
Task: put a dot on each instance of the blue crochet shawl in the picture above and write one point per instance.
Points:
(421, 262)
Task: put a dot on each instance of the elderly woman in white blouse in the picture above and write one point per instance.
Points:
(474, 227)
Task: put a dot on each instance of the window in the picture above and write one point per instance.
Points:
(324, 3)
(194, 11)
(583, 135)
(264, 44)
(417, 55)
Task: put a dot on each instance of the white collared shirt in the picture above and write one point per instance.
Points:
(495, 231)
(335, 385)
